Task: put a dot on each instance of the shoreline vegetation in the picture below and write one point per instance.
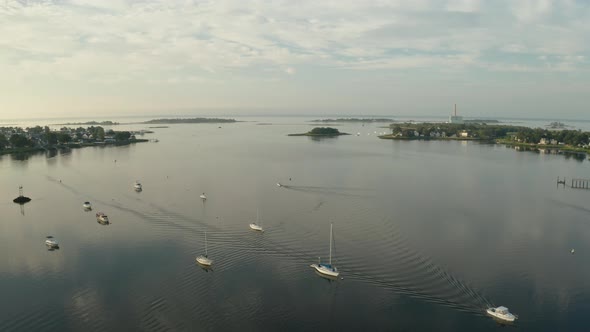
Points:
(354, 120)
(535, 138)
(321, 132)
(16, 140)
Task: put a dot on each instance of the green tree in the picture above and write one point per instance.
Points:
(20, 141)
(122, 135)
(3, 141)
(64, 138)
(51, 138)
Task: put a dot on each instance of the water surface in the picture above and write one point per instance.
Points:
(427, 234)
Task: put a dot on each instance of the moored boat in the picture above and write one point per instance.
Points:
(102, 218)
(51, 242)
(327, 269)
(204, 259)
(87, 206)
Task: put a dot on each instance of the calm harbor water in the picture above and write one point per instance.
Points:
(427, 234)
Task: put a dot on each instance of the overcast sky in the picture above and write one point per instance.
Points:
(519, 58)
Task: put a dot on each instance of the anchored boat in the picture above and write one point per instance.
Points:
(327, 269)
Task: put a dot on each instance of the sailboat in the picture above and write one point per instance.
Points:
(326, 269)
(254, 226)
(205, 260)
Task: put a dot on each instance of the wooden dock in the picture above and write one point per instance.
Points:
(575, 183)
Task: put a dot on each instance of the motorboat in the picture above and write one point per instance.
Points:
(102, 218)
(279, 185)
(203, 197)
(255, 226)
(87, 206)
(501, 313)
(51, 242)
(326, 269)
(204, 259)
(137, 186)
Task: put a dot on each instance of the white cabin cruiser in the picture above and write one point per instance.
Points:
(137, 186)
(501, 313)
(87, 206)
(203, 197)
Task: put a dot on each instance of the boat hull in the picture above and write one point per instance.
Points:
(256, 228)
(325, 271)
(51, 244)
(204, 261)
(507, 318)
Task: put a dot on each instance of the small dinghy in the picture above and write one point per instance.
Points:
(501, 313)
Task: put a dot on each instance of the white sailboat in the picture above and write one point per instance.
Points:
(205, 260)
(254, 226)
(327, 269)
(203, 197)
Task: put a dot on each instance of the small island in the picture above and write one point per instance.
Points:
(321, 132)
(189, 120)
(355, 120)
(90, 123)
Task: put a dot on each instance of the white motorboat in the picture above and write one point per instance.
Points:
(102, 218)
(204, 259)
(137, 186)
(279, 185)
(203, 197)
(255, 226)
(501, 313)
(51, 242)
(327, 269)
(87, 206)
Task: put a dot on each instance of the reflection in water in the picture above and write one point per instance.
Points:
(425, 229)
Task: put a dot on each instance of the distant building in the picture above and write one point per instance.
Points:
(454, 118)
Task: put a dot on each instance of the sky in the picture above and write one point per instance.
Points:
(505, 58)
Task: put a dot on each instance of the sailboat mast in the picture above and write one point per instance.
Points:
(330, 244)
(205, 243)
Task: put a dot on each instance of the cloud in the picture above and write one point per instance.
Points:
(197, 42)
(212, 36)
